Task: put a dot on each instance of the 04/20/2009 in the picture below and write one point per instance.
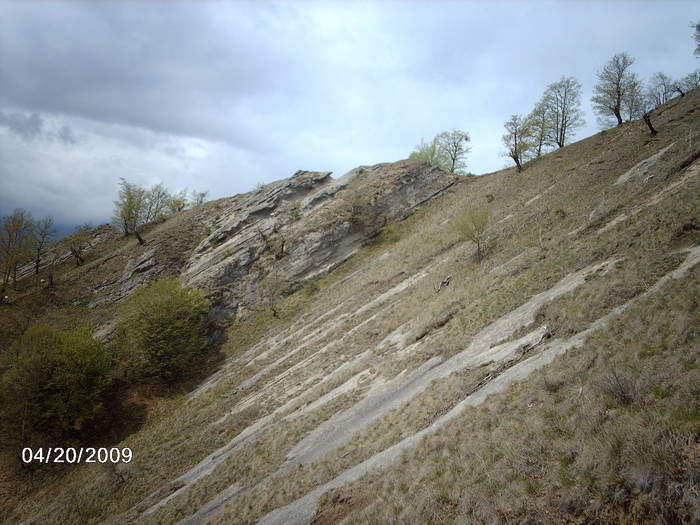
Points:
(76, 455)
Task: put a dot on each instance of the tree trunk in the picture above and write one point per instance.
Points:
(38, 262)
(50, 285)
(647, 121)
(517, 163)
(78, 258)
(138, 236)
(14, 275)
(618, 116)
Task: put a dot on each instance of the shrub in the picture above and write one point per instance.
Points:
(472, 226)
(163, 327)
(54, 385)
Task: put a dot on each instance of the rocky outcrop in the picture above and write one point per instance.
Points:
(270, 241)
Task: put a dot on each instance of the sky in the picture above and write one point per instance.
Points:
(222, 95)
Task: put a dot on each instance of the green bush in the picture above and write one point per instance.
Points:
(163, 327)
(54, 384)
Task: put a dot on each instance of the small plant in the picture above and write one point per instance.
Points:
(472, 226)
(619, 386)
(560, 214)
(311, 288)
(163, 326)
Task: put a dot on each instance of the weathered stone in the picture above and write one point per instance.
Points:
(298, 229)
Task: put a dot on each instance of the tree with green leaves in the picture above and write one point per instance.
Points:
(447, 151)
(563, 100)
(163, 327)
(634, 102)
(15, 243)
(130, 208)
(615, 81)
(431, 153)
(539, 125)
(177, 202)
(53, 385)
(518, 139)
(472, 226)
(454, 145)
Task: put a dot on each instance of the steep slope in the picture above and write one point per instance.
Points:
(368, 398)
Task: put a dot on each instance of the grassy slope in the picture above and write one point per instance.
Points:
(560, 446)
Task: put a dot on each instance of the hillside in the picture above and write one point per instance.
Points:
(403, 381)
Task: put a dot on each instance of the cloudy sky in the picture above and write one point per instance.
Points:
(221, 95)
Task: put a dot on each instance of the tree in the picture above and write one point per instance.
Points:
(518, 139)
(539, 125)
(78, 241)
(563, 100)
(198, 198)
(697, 37)
(54, 385)
(454, 145)
(690, 81)
(155, 200)
(614, 82)
(177, 201)
(660, 89)
(431, 153)
(634, 102)
(472, 226)
(42, 232)
(130, 208)
(446, 151)
(15, 243)
(163, 326)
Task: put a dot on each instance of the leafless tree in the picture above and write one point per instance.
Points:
(690, 81)
(614, 81)
(155, 200)
(42, 232)
(198, 198)
(660, 89)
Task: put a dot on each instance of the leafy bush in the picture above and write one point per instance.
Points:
(163, 327)
(472, 226)
(54, 384)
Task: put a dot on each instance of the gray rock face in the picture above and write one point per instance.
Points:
(274, 239)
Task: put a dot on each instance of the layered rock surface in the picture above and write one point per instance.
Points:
(272, 240)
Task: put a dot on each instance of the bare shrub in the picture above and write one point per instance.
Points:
(619, 386)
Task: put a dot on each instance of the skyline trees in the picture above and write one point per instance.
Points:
(612, 92)
(518, 139)
(137, 206)
(562, 100)
(447, 151)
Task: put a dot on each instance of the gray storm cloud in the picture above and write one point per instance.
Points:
(220, 96)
